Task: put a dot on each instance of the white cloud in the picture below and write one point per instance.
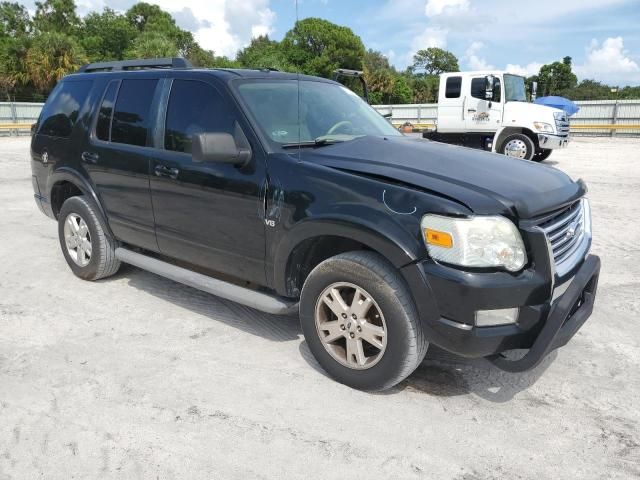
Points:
(527, 70)
(473, 60)
(429, 37)
(438, 7)
(609, 62)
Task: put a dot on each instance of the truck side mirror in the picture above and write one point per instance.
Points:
(488, 92)
(534, 90)
(219, 148)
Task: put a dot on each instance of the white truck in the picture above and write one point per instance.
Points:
(490, 110)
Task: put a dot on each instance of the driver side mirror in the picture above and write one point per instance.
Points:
(488, 90)
(218, 148)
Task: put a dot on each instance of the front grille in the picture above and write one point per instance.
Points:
(566, 231)
(562, 124)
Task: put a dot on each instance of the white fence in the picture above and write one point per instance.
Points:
(16, 117)
(624, 114)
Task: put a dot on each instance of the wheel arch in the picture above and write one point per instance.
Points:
(504, 132)
(315, 241)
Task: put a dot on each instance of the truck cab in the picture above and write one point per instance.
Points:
(489, 110)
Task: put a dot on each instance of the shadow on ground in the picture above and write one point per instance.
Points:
(441, 373)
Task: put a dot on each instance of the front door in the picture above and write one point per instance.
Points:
(207, 214)
(480, 114)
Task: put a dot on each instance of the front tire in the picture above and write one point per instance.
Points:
(89, 252)
(360, 321)
(518, 145)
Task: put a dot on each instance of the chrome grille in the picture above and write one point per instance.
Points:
(562, 124)
(569, 233)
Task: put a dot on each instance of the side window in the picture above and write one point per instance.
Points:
(103, 126)
(61, 111)
(131, 116)
(478, 87)
(497, 90)
(195, 107)
(453, 86)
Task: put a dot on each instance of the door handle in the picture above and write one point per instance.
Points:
(471, 110)
(164, 171)
(90, 157)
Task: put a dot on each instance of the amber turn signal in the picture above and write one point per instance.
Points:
(437, 238)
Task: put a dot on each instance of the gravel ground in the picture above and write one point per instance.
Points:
(139, 377)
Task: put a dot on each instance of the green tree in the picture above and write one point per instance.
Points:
(434, 61)
(107, 35)
(200, 57)
(263, 52)
(374, 61)
(56, 16)
(424, 88)
(51, 56)
(151, 45)
(148, 19)
(555, 78)
(401, 92)
(318, 47)
(13, 73)
(14, 20)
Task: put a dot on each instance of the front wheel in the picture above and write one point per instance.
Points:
(542, 154)
(360, 321)
(518, 145)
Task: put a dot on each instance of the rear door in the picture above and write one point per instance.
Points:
(208, 214)
(117, 157)
(482, 115)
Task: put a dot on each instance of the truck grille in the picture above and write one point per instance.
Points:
(562, 124)
(568, 231)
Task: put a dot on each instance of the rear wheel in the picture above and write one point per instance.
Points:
(360, 321)
(518, 145)
(89, 252)
(542, 154)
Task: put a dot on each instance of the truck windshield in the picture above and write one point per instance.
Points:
(514, 89)
(328, 112)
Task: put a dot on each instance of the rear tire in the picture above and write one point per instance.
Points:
(518, 145)
(387, 342)
(89, 252)
(542, 154)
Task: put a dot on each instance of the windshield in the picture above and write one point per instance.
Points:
(514, 89)
(328, 112)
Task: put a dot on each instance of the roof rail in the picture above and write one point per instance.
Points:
(136, 64)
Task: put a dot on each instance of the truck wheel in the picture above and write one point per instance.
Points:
(542, 154)
(360, 322)
(518, 145)
(88, 251)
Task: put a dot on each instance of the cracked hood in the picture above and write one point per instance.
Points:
(486, 183)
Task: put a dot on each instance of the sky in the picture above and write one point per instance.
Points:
(602, 36)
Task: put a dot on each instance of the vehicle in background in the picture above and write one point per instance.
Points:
(490, 111)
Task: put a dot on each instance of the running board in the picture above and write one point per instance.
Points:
(245, 296)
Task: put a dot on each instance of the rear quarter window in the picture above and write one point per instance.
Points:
(62, 109)
(453, 87)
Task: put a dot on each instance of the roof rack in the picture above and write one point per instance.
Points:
(136, 64)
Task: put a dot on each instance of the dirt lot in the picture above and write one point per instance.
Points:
(139, 377)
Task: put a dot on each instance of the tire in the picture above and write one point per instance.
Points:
(98, 262)
(391, 308)
(518, 145)
(542, 154)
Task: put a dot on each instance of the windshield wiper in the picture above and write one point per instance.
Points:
(318, 142)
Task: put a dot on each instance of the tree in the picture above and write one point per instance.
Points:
(434, 61)
(374, 61)
(151, 45)
(52, 56)
(401, 92)
(424, 88)
(264, 53)
(318, 47)
(57, 16)
(556, 77)
(200, 57)
(147, 18)
(107, 35)
(14, 20)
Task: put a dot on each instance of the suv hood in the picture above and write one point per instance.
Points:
(486, 183)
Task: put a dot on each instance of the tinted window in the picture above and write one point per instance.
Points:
(195, 107)
(478, 87)
(131, 117)
(61, 111)
(452, 89)
(104, 115)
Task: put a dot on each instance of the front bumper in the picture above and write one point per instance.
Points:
(447, 299)
(552, 142)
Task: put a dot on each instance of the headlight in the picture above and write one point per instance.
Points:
(543, 127)
(474, 242)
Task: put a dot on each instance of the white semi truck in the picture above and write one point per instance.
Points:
(490, 110)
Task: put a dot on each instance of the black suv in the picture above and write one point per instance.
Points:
(288, 193)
